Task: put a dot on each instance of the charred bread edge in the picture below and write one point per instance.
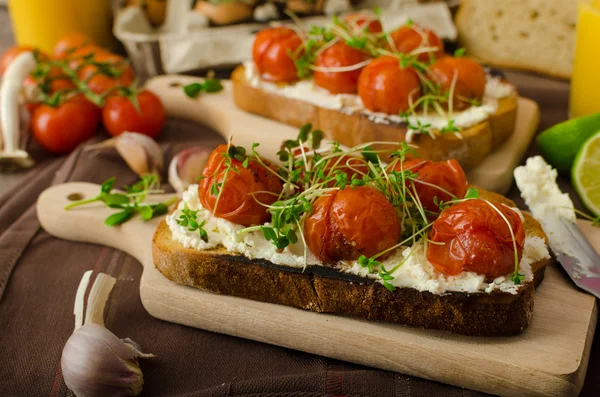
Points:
(352, 129)
(326, 290)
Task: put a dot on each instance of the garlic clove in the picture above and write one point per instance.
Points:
(187, 166)
(141, 153)
(96, 363)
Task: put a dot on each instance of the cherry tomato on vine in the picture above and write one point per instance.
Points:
(10, 55)
(70, 42)
(438, 179)
(243, 192)
(339, 55)
(384, 86)
(272, 52)
(120, 115)
(409, 38)
(476, 238)
(469, 83)
(101, 82)
(61, 129)
(76, 58)
(351, 222)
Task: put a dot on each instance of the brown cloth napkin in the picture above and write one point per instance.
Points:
(38, 280)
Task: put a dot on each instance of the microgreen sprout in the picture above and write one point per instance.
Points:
(189, 219)
(130, 203)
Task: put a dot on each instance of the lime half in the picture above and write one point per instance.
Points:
(585, 174)
(561, 143)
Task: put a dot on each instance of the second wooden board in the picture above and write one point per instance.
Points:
(220, 113)
(549, 359)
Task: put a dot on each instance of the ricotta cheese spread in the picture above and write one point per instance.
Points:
(347, 103)
(537, 182)
(415, 272)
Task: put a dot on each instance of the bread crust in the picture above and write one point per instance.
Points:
(351, 129)
(325, 290)
(503, 121)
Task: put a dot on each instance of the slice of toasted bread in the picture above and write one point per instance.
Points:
(502, 122)
(325, 290)
(354, 127)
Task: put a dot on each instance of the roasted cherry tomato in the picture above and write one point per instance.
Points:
(350, 165)
(383, 86)
(409, 38)
(100, 82)
(244, 192)
(358, 21)
(10, 55)
(349, 223)
(61, 129)
(120, 115)
(476, 238)
(272, 54)
(339, 55)
(69, 43)
(470, 79)
(448, 176)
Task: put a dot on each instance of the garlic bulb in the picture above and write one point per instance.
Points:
(141, 153)
(94, 361)
(187, 166)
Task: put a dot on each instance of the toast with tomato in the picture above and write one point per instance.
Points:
(342, 231)
(358, 85)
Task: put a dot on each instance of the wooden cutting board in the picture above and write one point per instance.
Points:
(549, 359)
(219, 112)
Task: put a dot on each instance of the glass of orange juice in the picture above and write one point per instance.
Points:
(585, 82)
(40, 23)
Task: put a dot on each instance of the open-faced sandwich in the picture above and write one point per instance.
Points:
(359, 84)
(341, 231)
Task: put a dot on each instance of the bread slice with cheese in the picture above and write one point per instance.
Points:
(327, 290)
(351, 127)
(523, 34)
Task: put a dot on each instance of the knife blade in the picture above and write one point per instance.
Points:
(555, 211)
(576, 255)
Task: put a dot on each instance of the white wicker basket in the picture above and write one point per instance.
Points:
(181, 45)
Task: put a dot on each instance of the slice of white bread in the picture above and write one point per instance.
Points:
(353, 128)
(535, 35)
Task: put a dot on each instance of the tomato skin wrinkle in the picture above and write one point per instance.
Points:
(476, 238)
(470, 79)
(410, 38)
(240, 201)
(339, 55)
(271, 54)
(447, 175)
(349, 223)
(383, 86)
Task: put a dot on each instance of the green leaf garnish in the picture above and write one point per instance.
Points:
(129, 204)
(209, 85)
